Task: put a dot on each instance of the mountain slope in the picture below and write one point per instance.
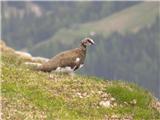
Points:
(131, 19)
(29, 22)
(28, 94)
(129, 51)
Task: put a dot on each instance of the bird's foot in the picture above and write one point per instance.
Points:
(51, 76)
(72, 74)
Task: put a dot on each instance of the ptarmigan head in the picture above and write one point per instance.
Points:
(87, 42)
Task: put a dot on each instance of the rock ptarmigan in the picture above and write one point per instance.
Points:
(68, 61)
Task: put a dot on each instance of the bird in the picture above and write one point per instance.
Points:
(68, 61)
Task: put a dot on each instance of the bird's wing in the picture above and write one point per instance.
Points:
(64, 59)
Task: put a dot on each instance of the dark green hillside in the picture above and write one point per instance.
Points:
(131, 19)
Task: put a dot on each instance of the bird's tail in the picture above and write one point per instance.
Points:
(34, 66)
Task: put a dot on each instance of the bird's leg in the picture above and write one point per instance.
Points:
(72, 74)
(52, 75)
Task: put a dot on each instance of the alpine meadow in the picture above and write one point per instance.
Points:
(113, 48)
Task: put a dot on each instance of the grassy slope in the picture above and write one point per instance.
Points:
(32, 95)
(129, 20)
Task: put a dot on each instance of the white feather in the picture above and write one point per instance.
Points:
(64, 69)
(58, 69)
(77, 60)
(81, 65)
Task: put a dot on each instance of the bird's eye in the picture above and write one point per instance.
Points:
(88, 40)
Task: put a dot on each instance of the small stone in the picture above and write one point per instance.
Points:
(92, 91)
(106, 117)
(133, 102)
(113, 99)
(115, 104)
(157, 105)
(125, 103)
(115, 117)
(128, 118)
(105, 99)
(79, 94)
(105, 104)
(104, 95)
(84, 94)
(97, 106)
(100, 92)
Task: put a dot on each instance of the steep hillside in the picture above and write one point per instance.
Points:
(131, 19)
(28, 94)
(127, 45)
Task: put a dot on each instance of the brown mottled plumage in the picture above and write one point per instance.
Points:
(71, 58)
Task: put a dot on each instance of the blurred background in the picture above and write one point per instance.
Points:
(127, 35)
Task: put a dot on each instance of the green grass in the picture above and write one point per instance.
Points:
(33, 95)
(127, 94)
